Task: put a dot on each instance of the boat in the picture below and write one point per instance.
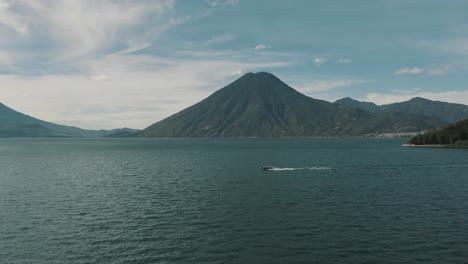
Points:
(265, 168)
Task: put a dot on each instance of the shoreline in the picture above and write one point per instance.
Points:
(432, 146)
(425, 146)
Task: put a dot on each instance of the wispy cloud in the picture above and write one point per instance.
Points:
(320, 61)
(102, 53)
(11, 20)
(79, 28)
(99, 78)
(344, 61)
(417, 71)
(237, 72)
(221, 39)
(175, 21)
(6, 61)
(133, 46)
(215, 3)
(327, 85)
(438, 71)
(130, 80)
(263, 47)
(414, 70)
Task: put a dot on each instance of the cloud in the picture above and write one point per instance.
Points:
(79, 28)
(344, 61)
(460, 97)
(214, 3)
(133, 46)
(262, 47)
(138, 82)
(327, 85)
(11, 20)
(75, 55)
(175, 21)
(440, 71)
(320, 61)
(414, 70)
(99, 78)
(6, 61)
(237, 72)
(220, 39)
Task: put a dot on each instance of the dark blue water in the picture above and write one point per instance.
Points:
(208, 201)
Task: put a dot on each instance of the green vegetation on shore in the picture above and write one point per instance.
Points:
(452, 136)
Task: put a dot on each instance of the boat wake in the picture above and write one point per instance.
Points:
(302, 168)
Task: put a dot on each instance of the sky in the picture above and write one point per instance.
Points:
(102, 64)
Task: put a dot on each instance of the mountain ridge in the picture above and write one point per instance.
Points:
(255, 105)
(261, 105)
(450, 112)
(17, 124)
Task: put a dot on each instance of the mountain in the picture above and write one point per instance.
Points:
(16, 124)
(121, 133)
(454, 136)
(367, 106)
(447, 111)
(261, 105)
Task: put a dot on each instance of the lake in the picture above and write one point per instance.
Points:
(208, 201)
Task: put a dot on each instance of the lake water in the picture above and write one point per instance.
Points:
(208, 201)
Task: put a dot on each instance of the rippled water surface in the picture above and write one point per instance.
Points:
(208, 201)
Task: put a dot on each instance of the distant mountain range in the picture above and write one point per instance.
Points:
(447, 111)
(16, 124)
(261, 105)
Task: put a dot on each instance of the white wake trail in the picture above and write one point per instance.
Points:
(302, 168)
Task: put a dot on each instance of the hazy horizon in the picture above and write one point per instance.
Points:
(331, 101)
